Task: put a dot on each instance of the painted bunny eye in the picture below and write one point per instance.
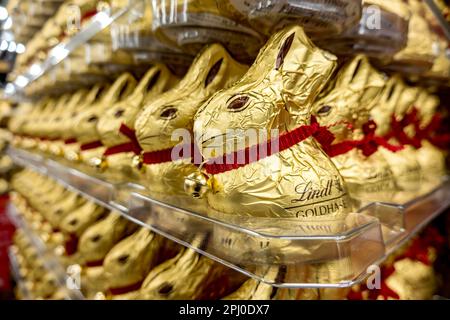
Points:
(92, 119)
(96, 238)
(238, 104)
(123, 258)
(119, 113)
(213, 72)
(165, 288)
(324, 110)
(168, 113)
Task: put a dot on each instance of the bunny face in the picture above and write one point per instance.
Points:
(349, 98)
(131, 259)
(85, 128)
(76, 222)
(212, 70)
(98, 239)
(276, 93)
(157, 80)
(185, 276)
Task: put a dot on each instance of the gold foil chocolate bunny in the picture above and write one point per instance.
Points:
(122, 146)
(128, 262)
(431, 159)
(173, 112)
(345, 107)
(85, 123)
(404, 164)
(188, 276)
(70, 148)
(94, 245)
(300, 181)
(76, 222)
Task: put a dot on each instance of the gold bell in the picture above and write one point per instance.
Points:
(73, 156)
(138, 162)
(196, 184)
(56, 150)
(99, 163)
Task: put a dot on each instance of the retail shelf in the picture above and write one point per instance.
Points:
(98, 23)
(51, 262)
(332, 254)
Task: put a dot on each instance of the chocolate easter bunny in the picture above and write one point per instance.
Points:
(60, 209)
(70, 148)
(430, 158)
(31, 126)
(57, 125)
(122, 115)
(173, 111)
(348, 100)
(404, 164)
(47, 120)
(253, 289)
(300, 181)
(188, 276)
(76, 222)
(85, 123)
(94, 245)
(128, 262)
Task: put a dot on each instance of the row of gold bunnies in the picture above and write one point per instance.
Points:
(127, 131)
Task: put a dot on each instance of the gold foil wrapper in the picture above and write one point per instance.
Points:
(212, 70)
(128, 262)
(412, 280)
(348, 100)
(188, 276)
(278, 90)
(156, 80)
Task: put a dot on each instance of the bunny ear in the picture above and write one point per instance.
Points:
(122, 87)
(284, 51)
(355, 71)
(302, 67)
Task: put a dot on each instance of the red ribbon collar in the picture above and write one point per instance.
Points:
(70, 141)
(132, 146)
(230, 161)
(91, 145)
(368, 145)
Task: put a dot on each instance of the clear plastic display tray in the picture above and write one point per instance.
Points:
(51, 262)
(339, 255)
